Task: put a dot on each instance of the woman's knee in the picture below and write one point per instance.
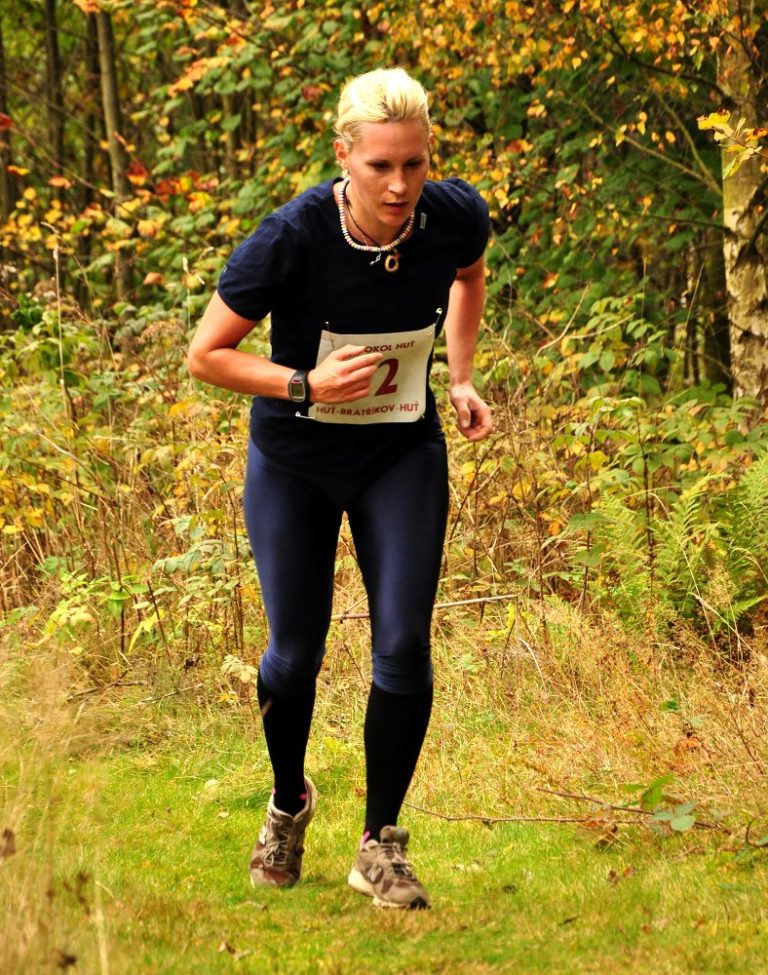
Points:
(290, 675)
(405, 671)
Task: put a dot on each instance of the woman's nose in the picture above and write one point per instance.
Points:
(397, 184)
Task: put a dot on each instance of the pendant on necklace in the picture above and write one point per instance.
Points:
(392, 261)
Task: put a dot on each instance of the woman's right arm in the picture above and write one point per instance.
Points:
(214, 358)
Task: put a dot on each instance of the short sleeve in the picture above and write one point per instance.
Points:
(261, 269)
(477, 221)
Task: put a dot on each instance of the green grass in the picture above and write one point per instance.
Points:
(132, 858)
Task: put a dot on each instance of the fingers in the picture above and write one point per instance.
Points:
(480, 424)
(344, 375)
(473, 416)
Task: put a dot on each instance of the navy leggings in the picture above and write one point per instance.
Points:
(398, 524)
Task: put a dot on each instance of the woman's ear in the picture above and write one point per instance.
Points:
(341, 152)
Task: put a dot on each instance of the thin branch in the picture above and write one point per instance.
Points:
(105, 687)
(705, 170)
(60, 477)
(492, 820)
(698, 823)
(341, 617)
(162, 697)
(760, 845)
(568, 323)
(649, 151)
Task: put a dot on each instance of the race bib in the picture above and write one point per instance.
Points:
(399, 387)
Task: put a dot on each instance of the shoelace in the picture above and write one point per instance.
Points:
(396, 855)
(278, 846)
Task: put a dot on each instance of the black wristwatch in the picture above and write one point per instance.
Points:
(298, 387)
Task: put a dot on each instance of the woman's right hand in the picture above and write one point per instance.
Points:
(344, 375)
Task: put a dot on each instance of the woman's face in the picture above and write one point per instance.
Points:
(387, 167)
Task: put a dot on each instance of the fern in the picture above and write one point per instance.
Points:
(624, 580)
(682, 544)
(744, 517)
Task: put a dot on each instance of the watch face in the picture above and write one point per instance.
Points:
(297, 389)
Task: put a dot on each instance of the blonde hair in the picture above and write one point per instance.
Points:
(383, 95)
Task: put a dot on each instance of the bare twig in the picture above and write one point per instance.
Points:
(747, 840)
(568, 324)
(636, 810)
(162, 697)
(163, 637)
(529, 648)
(491, 820)
(105, 687)
(341, 617)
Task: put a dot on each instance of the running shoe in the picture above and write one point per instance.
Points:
(276, 858)
(382, 871)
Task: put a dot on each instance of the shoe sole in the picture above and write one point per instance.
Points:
(358, 882)
(263, 882)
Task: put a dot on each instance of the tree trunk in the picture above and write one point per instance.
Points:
(7, 186)
(54, 91)
(112, 122)
(94, 132)
(744, 249)
(716, 351)
(230, 138)
(94, 129)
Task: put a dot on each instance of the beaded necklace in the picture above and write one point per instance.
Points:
(392, 260)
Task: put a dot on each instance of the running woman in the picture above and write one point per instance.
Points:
(359, 274)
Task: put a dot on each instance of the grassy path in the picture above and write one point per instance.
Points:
(144, 851)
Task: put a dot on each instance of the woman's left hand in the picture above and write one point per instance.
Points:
(473, 416)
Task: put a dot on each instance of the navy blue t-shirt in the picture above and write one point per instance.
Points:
(298, 268)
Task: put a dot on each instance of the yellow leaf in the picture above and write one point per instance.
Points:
(149, 228)
(521, 488)
(715, 120)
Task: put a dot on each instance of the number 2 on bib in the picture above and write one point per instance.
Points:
(388, 386)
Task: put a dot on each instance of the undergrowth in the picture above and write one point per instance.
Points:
(600, 640)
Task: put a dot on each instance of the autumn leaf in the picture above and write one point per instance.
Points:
(60, 181)
(715, 120)
(167, 187)
(137, 174)
(5, 121)
(154, 277)
(17, 170)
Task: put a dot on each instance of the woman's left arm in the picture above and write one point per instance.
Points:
(462, 324)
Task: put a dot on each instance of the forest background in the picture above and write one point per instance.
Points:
(601, 626)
